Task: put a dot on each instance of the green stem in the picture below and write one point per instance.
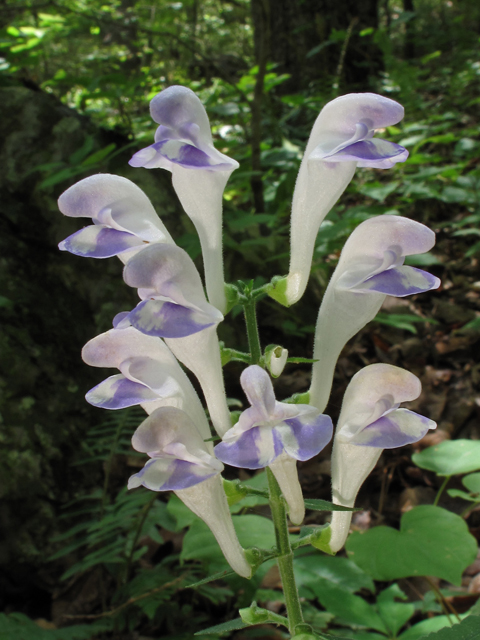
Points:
(285, 554)
(440, 491)
(252, 331)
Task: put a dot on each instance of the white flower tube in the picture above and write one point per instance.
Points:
(184, 146)
(370, 268)
(370, 421)
(182, 462)
(341, 140)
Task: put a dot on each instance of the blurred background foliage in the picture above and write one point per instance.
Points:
(75, 80)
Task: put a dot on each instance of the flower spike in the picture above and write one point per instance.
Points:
(269, 429)
(181, 462)
(341, 140)
(124, 218)
(370, 267)
(370, 421)
(184, 146)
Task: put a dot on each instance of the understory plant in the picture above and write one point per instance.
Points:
(175, 323)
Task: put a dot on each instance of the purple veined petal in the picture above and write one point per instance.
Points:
(396, 429)
(362, 269)
(168, 320)
(170, 272)
(258, 388)
(150, 158)
(118, 202)
(371, 391)
(375, 153)
(329, 142)
(169, 474)
(98, 241)
(305, 436)
(189, 156)
(254, 449)
(400, 282)
(181, 113)
(118, 392)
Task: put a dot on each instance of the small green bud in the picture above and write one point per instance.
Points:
(234, 491)
(321, 540)
(277, 290)
(232, 295)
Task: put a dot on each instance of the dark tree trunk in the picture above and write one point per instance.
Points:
(409, 44)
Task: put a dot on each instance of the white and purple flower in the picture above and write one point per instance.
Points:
(341, 140)
(270, 432)
(150, 375)
(173, 302)
(182, 462)
(124, 219)
(370, 268)
(370, 420)
(184, 146)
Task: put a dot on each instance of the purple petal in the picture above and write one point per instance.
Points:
(375, 153)
(167, 474)
(98, 241)
(400, 282)
(254, 449)
(117, 392)
(168, 320)
(306, 436)
(396, 429)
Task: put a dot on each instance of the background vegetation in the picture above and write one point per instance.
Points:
(82, 558)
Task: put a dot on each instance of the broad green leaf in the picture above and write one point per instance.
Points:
(450, 457)
(346, 606)
(379, 191)
(431, 542)
(472, 482)
(394, 614)
(341, 572)
(426, 627)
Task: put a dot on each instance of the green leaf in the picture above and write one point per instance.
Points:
(425, 627)
(431, 542)
(215, 576)
(324, 505)
(379, 191)
(341, 572)
(472, 482)
(346, 606)
(225, 627)
(467, 629)
(394, 614)
(450, 457)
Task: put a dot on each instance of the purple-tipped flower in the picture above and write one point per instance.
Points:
(173, 302)
(150, 375)
(181, 462)
(269, 429)
(370, 268)
(124, 218)
(184, 146)
(370, 421)
(341, 140)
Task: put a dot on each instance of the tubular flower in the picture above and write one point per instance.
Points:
(370, 268)
(184, 146)
(181, 462)
(269, 429)
(341, 140)
(124, 218)
(150, 375)
(370, 421)
(173, 302)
